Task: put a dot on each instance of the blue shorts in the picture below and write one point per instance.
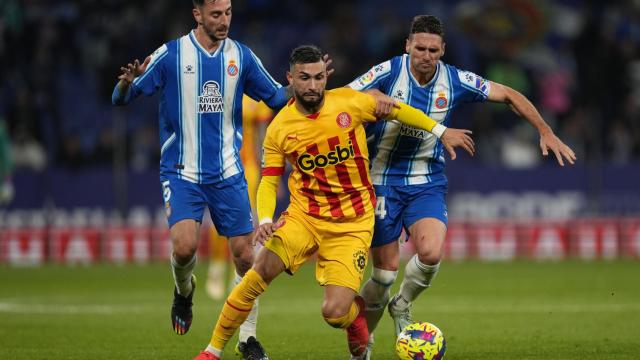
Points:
(228, 203)
(402, 205)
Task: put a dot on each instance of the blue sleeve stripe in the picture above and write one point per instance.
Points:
(472, 89)
(150, 69)
(378, 80)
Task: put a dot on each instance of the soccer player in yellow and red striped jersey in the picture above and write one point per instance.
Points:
(332, 205)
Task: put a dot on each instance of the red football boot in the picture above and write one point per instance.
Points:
(357, 332)
(205, 355)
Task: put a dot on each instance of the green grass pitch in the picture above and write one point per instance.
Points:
(520, 310)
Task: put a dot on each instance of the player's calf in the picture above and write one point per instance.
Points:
(376, 293)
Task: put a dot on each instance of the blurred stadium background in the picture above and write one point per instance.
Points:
(79, 173)
(79, 177)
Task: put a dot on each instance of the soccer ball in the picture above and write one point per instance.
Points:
(421, 341)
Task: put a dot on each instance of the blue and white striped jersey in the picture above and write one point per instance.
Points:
(201, 105)
(402, 155)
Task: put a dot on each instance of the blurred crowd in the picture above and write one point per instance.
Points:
(578, 61)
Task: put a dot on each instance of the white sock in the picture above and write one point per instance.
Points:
(376, 292)
(248, 327)
(213, 350)
(417, 277)
(182, 275)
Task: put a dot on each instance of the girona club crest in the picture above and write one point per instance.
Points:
(343, 120)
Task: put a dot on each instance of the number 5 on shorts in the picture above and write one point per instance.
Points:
(381, 209)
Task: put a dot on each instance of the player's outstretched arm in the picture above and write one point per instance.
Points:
(451, 138)
(128, 73)
(265, 206)
(524, 108)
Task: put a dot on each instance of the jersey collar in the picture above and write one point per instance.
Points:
(415, 81)
(192, 36)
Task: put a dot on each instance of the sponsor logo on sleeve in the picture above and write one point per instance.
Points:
(481, 84)
(366, 78)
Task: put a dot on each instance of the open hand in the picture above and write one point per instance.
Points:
(131, 71)
(453, 138)
(549, 141)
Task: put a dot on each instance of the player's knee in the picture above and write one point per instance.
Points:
(184, 249)
(430, 253)
(429, 256)
(335, 314)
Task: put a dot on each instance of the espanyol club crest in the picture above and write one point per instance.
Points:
(441, 101)
(343, 120)
(232, 68)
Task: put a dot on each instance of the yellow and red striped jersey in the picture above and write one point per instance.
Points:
(254, 113)
(328, 152)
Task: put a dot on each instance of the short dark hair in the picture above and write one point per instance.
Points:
(305, 54)
(197, 3)
(427, 24)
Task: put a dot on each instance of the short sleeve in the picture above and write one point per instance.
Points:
(367, 106)
(473, 88)
(273, 159)
(259, 83)
(376, 78)
(154, 77)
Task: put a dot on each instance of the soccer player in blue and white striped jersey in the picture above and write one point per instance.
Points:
(201, 78)
(407, 166)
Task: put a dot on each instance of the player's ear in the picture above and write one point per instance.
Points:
(443, 44)
(407, 45)
(289, 77)
(197, 16)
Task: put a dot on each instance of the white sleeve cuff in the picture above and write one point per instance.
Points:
(266, 220)
(438, 130)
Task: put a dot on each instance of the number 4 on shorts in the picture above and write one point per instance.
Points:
(381, 209)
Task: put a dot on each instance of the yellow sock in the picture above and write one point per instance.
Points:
(237, 307)
(346, 320)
